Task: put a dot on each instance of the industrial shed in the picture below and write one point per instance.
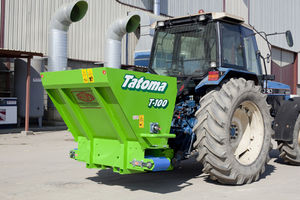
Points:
(24, 27)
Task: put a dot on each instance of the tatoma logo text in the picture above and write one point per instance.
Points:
(133, 83)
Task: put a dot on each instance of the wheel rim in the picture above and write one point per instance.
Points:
(247, 132)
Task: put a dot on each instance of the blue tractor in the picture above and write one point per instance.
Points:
(227, 108)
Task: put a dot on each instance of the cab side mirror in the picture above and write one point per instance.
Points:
(289, 38)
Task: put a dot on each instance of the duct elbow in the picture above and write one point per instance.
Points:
(68, 13)
(58, 28)
(114, 36)
(120, 27)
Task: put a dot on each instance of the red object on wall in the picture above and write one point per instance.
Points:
(2, 115)
(287, 74)
(284, 74)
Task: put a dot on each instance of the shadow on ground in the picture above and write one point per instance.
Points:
(166, 182)
(158, 182)
(14, 129)
(275, 154)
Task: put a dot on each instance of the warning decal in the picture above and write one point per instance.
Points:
(141, 121)
(87, 75)
(90, 75)
(84, 76)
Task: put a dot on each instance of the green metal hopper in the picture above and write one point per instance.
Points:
(121, 119)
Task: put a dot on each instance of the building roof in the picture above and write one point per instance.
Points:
(18, 54)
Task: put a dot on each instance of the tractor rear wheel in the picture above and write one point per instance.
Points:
(234, 132)
(290, 152)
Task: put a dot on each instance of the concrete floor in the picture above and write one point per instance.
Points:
(38, 167)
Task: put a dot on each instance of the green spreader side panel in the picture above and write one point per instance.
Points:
(110, 113)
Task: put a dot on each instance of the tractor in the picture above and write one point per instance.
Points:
(226, 105)
(204, 94)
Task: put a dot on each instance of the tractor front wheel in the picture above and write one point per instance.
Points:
(234, 132)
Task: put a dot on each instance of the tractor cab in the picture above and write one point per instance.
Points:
(194, 45)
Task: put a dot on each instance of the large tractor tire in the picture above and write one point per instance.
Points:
(234, 132)
(290, 151)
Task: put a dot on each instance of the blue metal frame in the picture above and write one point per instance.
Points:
(273, 88)
(224, 71)
(277, 85)
(142, 58)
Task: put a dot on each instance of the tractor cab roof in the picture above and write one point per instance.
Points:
(221, 16)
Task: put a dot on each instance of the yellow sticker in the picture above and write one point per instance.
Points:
(141, 121)
(84, 76)
(91, 76)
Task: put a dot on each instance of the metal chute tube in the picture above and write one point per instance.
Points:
(58, 33)
(114, 36)
(156, 7)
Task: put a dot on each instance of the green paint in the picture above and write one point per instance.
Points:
(103, 115)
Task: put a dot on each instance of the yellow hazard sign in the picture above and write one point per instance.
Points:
(141, 121)
(84, 76)
(90, 75)
(87, 76)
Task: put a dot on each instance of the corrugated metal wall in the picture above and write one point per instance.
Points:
(26, 27)
(239, 8)
(180, 7)
(26, 22)
(277, 16)
(190, 7)
(145, 4)
(270, 16)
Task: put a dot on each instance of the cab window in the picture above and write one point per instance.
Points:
(239, 48)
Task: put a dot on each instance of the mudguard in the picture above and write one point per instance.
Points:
(285, 119)
(225, 73)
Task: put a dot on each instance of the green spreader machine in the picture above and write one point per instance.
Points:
(121, 119)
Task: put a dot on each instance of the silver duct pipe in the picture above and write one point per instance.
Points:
(114, 36)
(58, 33)
(156, 7)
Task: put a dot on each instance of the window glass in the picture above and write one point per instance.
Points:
(239, 48)
(232, 48)
(252, 59)
(164, 52)
(197, 50)
(184, 50)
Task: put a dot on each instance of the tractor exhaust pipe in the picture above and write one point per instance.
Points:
(58, 33)
(114, 36)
